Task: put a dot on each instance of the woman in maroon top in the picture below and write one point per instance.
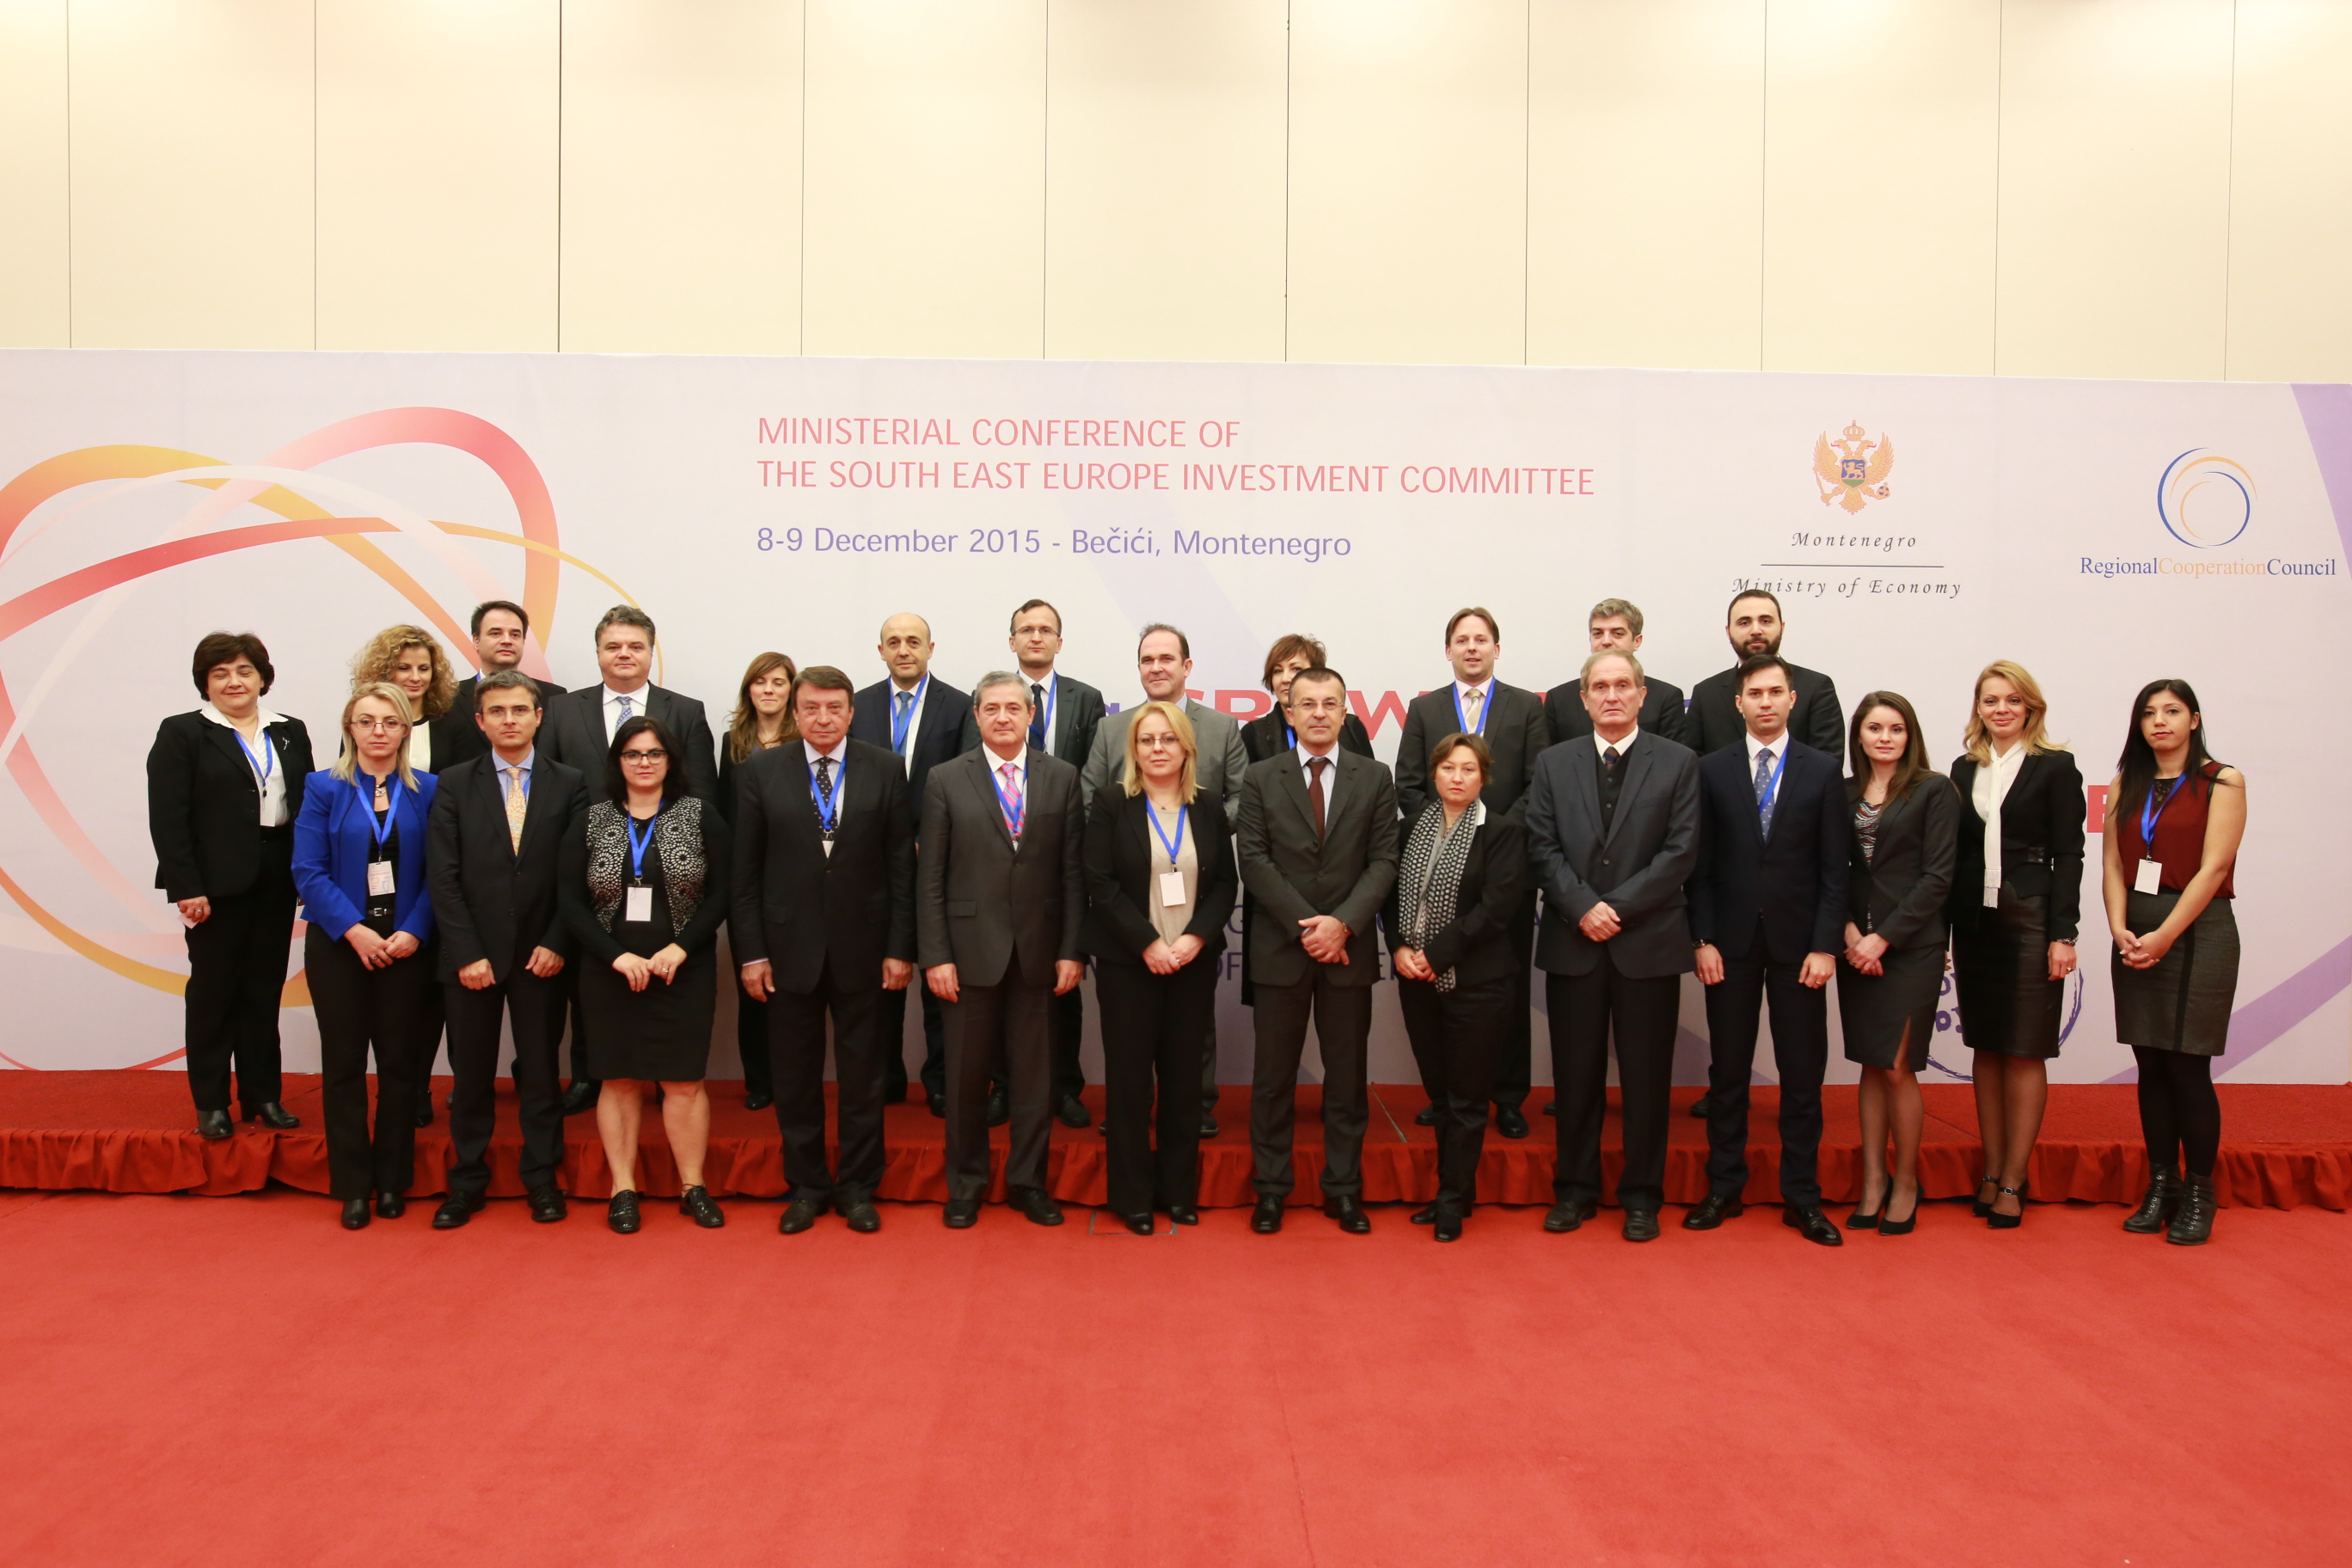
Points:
(2174, 820)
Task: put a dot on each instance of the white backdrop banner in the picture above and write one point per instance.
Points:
(2102, 533)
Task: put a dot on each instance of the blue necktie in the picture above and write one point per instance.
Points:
(1763, 783)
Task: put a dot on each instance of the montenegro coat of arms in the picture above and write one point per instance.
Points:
(1852, 472)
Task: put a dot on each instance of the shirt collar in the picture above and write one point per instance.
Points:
(528, 760)
(1601, 747)
(995, 764)
(637, 699)
(1486, 688)
(1780, 746)
(1305, 756)
(217, 716)
(840, 753)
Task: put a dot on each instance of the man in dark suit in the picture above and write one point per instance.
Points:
(1754, 626)
(579, 733)
(497, 825)
(501, 630)
(926, 722)
(1512, 722)
(1316, 838)
(1612, 825)
(1001, 895)
(1063, 717)
(1768, 917)
(824, 922)
(1615, 627)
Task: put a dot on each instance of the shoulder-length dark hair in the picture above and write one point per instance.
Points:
(743, 725)
(617, 784)
(2136, 766)
(1910, 773)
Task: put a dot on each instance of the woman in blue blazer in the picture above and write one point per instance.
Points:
(359, 866)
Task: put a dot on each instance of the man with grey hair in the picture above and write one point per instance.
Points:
(1615, 624)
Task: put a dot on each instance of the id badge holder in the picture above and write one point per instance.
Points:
(2147, 878)
(1171, 888)
(637, 905)
(1992, 898)
(381, 882)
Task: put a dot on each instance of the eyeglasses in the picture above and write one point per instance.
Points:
(380, 726)
(644, 756)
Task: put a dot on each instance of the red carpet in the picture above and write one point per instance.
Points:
(244, 1383)
(2283, 1145)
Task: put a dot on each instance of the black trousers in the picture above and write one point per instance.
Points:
(236, 975)
(1152, 1027)
(1584, 1009)
(1070, 1015)
(536, 1007)
(1515, 1071)
(892, 1021)
(432, 1021)
(797, 1048)
(1343, 1023)
(1800, 1050)
(1011, 1018)
(1457, 1038)
(359, 1009)
(752, 1044)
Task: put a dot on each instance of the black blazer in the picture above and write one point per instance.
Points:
(1347, 875)
(204, 804)
(1121, 893)
(1795, 881)
(573, 733)
(1662, 711)
(946, 729)
(1270, 733)
(1901, 894)
(491, 899)
(454, 734)
(2042, 833)
(1713, 722)
(984, 906)
(1515, 732)
(1476, 942)
(1077, 714)
(1640, 866)
(798, 907)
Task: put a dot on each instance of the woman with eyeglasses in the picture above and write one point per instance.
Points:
(761, 721)
(645, 890)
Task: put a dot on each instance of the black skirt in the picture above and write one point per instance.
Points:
(2000, 968)
(2184, 1003)
(1875, 1010)
(663, 1032)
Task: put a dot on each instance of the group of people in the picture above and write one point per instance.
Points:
(500, 848)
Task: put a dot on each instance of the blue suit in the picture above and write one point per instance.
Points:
(331, 838)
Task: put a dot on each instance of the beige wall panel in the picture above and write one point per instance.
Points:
(2291, 193)
(2114, 187)
(437, 174)
(191, 181)
(1645, 189)
(34, 287)
(682, 176)
(1408, 181)
(926, 176)
(1164, 180)
(1882, 157)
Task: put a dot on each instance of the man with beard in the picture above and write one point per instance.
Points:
(1754, 626)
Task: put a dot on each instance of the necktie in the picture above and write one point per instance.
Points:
(1763, 782)
(1009, 798)
(517, 804)
(1037, 715)
(1613, 777)
(1471, 703)
(1315, 766)
(825, 787)
(624, 714)
(906, 701)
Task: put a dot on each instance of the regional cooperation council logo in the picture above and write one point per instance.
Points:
(2205, 500)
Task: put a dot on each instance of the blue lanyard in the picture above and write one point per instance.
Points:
(262, 758)
(901, 723)
(1152, 813)
(1486, 708)
(2150, 810)
(1014, 807)
(383, 830)
(827, 813)
(1764, 805)
(637, 846)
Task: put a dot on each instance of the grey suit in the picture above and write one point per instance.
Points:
(1002, 914)
(1294, 875)
(1223, 759)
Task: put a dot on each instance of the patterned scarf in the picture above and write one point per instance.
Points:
(1430, 880)
(677, 843)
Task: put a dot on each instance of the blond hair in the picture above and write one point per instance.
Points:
(1188, 783)
(374, 665)
(1977, 742)
(347, 765)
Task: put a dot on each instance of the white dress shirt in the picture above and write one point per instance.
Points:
(840, 756)
(1019, 763)
(273, 787)
(638, 700)
(420, 747)
(1601, 747)
(509, 772)
(1991, 787)
(923, 694)
(1330, 777)
(1485, 691)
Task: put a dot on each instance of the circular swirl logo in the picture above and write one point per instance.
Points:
(2205, 500)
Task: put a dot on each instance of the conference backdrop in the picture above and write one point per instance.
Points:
(1914, 528)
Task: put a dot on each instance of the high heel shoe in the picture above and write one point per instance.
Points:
(2155, 1210)
(1982, 1206)
(1999, 1221)
(1859, 1220)
(1888, 1226)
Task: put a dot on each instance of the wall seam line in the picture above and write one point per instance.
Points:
(1289, 21)
(1045, 172)
(2229, 196)
(66, 6)
(1526, 167)
(562, 18)
(1763, 169)
(2000, 134)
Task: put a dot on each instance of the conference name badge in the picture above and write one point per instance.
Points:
(380, 879)
(2145, 879)
(638, 905)
(1171, 888)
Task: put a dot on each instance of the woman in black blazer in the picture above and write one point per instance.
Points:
(223, 786)
(1899, 877)
(1449, 923)
(761, 721)
(1161, 884)
(2016, 903)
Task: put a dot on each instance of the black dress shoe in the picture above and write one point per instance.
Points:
(799, 1214)
(1702, 1107)
(695, 1203)
(938, 1104)
(1807, 1221)
(1138, 1224)
(1551, 1108)
(1183, 1213)
(275, 1116)
(1425, 1116)
(1562, 1218)
(390, 1206)
(1641, 1224)
(424, 1106)
(862, 1218)
(1035, 1207)
(1208, 1126)
(546, 1205)
(1510, 1121)
(214, 1125)
(1000, 1110)
(455, 1210)
(355, 1211)
(1424, 1215)
(962, 1214)
(1448, 1228)
(581, 1096)
(758, 1100)
(1074, 1113)
(1349, 1214)
(1713, 1210)
(622, 1214)
(1267, 1218)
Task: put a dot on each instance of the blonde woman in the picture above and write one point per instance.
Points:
(410, 657)
(359, 867)
(2016, 906)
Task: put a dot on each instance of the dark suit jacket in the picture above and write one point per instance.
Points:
(1662, 711)
(796, 906)
(574, 734)
(1713, 722)
(1121, 891)
(1515, 732)
(1900, 894)
(1270, 733)
(332, 840)
(1795, 881)
(454, 734)
(491, 899)
(947, 730)
(1077, 712)
(1641, 867)
(2042, 830)
(1476, 942)
(1347, 874)
(984, 906)
(204, 805)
